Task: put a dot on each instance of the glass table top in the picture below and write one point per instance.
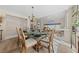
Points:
(35, 34)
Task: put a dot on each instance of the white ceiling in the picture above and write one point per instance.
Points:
(39, 10)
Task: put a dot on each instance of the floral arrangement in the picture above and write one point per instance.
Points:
(76, 23)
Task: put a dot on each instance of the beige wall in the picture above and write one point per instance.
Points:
(46, 20)
(2, 27)
(11, 24)
(68, 26)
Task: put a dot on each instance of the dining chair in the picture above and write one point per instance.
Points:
(19, 42)
(48, 41)
(25, 43)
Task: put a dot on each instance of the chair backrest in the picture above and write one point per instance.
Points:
(22, 34)
(21, 37)
(51, 35)
(18, 32)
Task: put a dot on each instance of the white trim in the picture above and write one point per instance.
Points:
(11, 37)
(13, 14)
(66, 44)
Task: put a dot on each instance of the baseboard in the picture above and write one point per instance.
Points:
(11, 37)
(66, 44)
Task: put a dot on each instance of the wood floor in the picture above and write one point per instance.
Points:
(10, 46)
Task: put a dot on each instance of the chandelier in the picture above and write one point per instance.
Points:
(32, 13)
(33, 19)
(34, 22)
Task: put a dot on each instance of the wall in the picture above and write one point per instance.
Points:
(68, 27)
(39, 10)
(2, 27)
(11, 24)
(45, 11)
(57, 18)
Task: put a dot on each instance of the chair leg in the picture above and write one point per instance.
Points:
(24, 50)
(20, 48)
(38, 47)
(52, 48)
(49, 49)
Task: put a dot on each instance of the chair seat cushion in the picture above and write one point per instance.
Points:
(45, 39)
(30, 42)
(44, 44)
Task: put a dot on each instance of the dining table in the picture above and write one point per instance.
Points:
(37, 35)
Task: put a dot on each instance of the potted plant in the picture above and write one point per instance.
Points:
(77, 25)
